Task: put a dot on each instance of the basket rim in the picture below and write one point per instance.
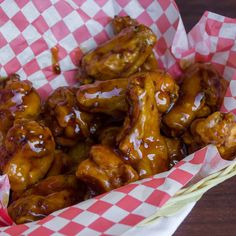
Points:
(190, 194)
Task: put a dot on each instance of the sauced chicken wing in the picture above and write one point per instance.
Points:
(202, 92)
(150, 64)
(218, 129)
(121, 22)
(64, 117)
(109, 96)
(140, 140)
(79, 153)
(191, 144)
(62, 164)
(47, 196)
(27, 153)
(56, 183)
(108, 135)
(176, 150)
(121, 56)
(166, 90)
(104, 96)
(105, 170)
(35, 207)
(18, 99)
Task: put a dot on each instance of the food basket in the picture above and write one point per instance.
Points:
(29, 29)
(192, 193)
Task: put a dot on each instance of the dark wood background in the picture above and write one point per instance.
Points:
(215, 213)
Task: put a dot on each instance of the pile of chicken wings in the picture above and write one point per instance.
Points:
(127, 120)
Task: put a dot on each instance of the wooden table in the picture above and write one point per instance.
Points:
(215, 213)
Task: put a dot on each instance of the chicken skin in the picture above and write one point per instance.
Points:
(49, 195)
(79, 153)
(27, 153)
(166, 90)
(202, 92)
(108, 135)
(140, 140)
(121, 22)
(109, 97)
(121, 56)
(105, 170)
(18, 99)
(62, 115)
(176, 150)
(61, 164)
(104, 96)
(218, 129)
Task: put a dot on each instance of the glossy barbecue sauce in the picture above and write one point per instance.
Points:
(55, 64)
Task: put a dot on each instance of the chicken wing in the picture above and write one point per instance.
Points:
(105, 170)
(56, 183)
(121, 22)
(35, 207)
(63, 116)
(191, 144)
(150, 64)
(140, 140)
(121, 56)
(166, 90)
(108, 135)
(47, 196)
(176, 150)
(109, 96)
(218, 129)
(202, 92)
(18, 99)
(27, 153)
(62, 164)
(79, 153)
(104, 96)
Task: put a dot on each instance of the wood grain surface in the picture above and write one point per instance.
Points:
(215, 213)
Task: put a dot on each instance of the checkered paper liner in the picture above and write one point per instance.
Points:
(29, 29)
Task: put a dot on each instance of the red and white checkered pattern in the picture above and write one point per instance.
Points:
(28, 29)
(118, 211)
(4, 196)
(212, 40)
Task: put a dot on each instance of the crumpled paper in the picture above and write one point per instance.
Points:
(29, 29)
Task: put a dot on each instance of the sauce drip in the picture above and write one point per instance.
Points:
(55, 64)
